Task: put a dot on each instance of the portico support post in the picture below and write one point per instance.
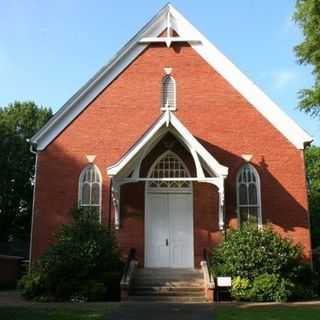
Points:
(116, 203)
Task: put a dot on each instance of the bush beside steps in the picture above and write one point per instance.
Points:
(263, 266)
(83, 264)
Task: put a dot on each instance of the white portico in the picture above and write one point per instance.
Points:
(168, 191)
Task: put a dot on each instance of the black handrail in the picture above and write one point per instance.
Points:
(131, 256)
(207, 259)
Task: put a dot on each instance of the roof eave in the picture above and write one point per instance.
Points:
(89, 85)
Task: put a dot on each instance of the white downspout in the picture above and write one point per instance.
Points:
(33, 201)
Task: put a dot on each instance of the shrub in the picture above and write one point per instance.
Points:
(270, 287)
(264, 267)
(75, 266)
(240, 288)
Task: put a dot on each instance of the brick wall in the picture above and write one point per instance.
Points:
(216, 114)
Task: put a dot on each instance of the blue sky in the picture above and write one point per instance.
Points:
(48, 49)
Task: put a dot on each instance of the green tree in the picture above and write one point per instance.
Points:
(312, 156)
(18, 122)
(307, 16)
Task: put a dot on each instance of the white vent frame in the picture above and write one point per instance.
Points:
(168, 93)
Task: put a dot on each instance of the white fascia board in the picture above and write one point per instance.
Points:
(146, 138)
(205, 49)
(213, 164)
(191, 142)
(255, 96)
(77, 103)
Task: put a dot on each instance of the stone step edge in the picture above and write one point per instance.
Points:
(167, 299)
(168, 288)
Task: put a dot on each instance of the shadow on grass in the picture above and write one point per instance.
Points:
(62, 313)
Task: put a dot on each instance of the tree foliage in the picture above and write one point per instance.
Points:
(307, 16)
(18, 122)
(83, 263)
(312, 157)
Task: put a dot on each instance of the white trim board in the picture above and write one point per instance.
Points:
(164, 124)
(256, 97)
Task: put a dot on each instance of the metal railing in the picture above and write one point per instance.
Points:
(207, 259)
(131, 256)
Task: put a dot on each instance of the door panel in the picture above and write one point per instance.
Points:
(169, 216)
(157, 231)
(181, 230)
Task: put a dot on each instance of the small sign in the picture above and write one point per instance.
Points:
(224, 281)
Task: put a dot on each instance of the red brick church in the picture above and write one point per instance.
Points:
(173, 145)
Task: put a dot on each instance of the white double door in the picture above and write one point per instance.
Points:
(169, 230)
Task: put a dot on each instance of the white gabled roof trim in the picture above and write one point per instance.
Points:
(166, 120)
(258, 99)
(80, 100)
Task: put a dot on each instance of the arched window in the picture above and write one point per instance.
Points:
(248, 195)
(168, 93)
(90, 187)
(169, 165)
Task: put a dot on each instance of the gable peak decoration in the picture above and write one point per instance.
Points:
(169, 19)
(169, 38)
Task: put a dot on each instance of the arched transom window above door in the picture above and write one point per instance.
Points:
(168, 171)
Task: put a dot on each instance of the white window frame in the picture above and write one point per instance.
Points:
(83, 171)
(169, 189)
(164, 106)
(258, 187)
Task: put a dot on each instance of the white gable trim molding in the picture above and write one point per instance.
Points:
(155, 133)
(256, 97)
(127, 169)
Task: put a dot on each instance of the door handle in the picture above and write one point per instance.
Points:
(167, 242)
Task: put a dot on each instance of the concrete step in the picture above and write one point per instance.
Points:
(169, 289)
(167, 283)
(169, 277)
(170, 299)
(168, 293)
(168, 273)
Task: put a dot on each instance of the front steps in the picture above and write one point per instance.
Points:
(168, 285)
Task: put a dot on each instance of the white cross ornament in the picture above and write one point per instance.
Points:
(168, 39)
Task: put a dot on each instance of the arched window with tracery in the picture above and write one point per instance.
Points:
(169, 171)
(248, 195)
(90, 188)
(168, 93)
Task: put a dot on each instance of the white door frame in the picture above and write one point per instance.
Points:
(149, 190)
(168, 190)
(146, 206)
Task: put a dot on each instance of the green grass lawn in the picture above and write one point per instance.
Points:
(100, 312)
(268, 313)
(41, 313)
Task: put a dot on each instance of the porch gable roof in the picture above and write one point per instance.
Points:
(168, 122)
